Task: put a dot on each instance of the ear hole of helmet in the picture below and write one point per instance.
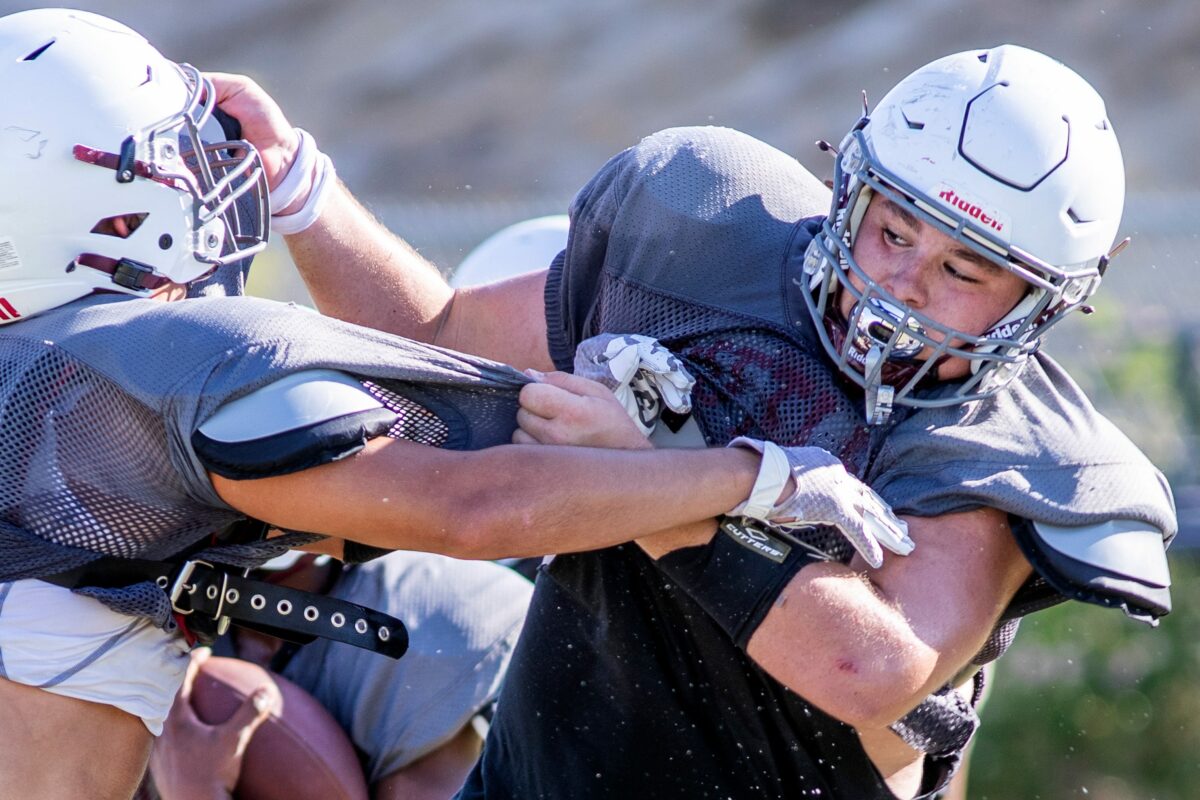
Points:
(121, 226)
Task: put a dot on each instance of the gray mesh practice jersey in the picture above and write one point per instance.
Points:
(100, 399)
(621, 685)
(463, 619)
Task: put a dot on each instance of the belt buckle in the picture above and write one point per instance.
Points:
(181, 584)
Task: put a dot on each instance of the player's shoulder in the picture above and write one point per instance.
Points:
(700, 214)
(146, 343)
(710, 169)
(1042, 416)
(1039, 449)
(1055, 419)
(201, 319)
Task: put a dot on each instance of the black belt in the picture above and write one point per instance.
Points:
(206, 599)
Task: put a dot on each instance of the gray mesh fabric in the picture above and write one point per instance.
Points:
(942, 725)
(80, 468)
(696, 237)
(99, 399)
(1038, 450)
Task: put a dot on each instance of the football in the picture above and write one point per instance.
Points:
(299, 753)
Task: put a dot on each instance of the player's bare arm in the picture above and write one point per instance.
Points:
(536, 500)
(359, 271)
(893, 640)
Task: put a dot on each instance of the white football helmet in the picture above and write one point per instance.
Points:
(106, 187)
(521, 247)
(1010, 153)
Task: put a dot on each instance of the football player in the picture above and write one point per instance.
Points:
(896, 323)
(133, 429)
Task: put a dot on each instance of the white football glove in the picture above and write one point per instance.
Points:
(824, 494)
(644, 375)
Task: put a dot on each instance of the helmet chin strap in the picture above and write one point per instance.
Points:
(879, 395)
(1012, 320)
(125, 272)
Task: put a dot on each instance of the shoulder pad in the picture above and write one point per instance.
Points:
(299, 421)
(1120, 563)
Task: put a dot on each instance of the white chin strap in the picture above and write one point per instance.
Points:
(858, 211)
(1019, 313)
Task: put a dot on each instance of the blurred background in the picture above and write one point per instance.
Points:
(453, 119)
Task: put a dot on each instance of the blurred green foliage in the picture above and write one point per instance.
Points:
(1091, 704)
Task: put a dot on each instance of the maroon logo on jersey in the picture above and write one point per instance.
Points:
(972, 210)
(7, 312)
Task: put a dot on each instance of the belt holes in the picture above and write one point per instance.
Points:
(361, 626)
(384, 634)
(311, 613)
(338, 619)
(258, 602)
(211, 592)
(232, 596)
(284, 607)
(163, 581)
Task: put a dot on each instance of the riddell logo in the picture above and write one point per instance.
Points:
(971, 209)
(7, 312)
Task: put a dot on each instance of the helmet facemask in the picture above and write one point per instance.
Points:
(893, 351)
(224, 179)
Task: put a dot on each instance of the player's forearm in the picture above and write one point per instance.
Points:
(863, 645)
(557, 500)
(505, 501)
(829, 634)
(358, 271)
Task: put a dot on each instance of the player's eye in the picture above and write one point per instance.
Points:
(959, 274)
(893, 238)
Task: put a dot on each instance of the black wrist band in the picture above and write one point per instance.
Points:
(737, 576)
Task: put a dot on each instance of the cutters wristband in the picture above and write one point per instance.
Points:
(736, 576)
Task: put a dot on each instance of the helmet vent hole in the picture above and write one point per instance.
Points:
(1074, 217)
(982, 58)
(121, 226)
(39, 51)
(165, 241)
(149, 75)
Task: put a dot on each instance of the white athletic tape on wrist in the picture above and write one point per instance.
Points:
(323, 182)
(773, 474)
(298, 181)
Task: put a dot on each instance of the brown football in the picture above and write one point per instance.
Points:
(299, 753)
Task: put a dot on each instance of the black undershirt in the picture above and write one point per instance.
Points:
(608, 633)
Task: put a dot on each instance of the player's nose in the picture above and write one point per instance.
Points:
(908, 279)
